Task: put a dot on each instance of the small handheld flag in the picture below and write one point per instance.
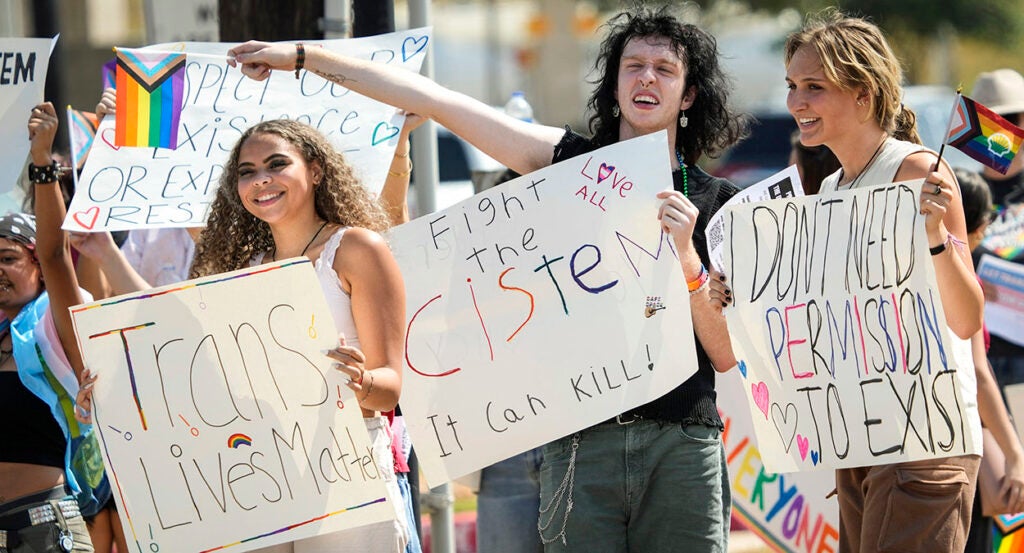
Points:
(149, 98)
(81, 132)
(983, 134)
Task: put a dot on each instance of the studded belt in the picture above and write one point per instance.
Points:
(38, 514)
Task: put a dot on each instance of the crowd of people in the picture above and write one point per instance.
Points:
(649, 479)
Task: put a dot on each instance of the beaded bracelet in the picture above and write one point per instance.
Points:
(300, 58)
(700, 282)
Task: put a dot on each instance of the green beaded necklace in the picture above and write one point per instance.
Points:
(682, 167)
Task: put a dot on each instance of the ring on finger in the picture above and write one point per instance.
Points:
(938, 189)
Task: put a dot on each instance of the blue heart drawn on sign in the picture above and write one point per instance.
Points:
(418, 43)
(384, 132)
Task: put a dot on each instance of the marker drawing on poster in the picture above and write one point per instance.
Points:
(839, 324)
(123, 188)
(541, 307)
(221, 420)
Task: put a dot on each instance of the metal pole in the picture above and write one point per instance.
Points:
(336, 22)
(440, 501)
(425, 179)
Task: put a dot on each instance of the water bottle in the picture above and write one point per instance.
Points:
(519, 108)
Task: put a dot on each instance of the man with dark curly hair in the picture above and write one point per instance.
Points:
(652, 478)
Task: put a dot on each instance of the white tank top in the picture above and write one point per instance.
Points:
(338, 301)
(882, 170)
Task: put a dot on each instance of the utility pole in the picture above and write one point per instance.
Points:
(270, 20)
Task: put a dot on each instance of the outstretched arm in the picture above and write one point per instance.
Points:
(52, 249)
(521, 146)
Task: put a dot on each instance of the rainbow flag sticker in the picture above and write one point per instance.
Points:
(983, 134)
(237, 440)
(150, 89)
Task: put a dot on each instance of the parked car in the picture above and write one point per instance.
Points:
(767, 149)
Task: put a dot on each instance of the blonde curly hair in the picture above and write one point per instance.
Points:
(233, 236)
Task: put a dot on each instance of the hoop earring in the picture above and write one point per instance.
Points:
(615, 110)
(683, 119)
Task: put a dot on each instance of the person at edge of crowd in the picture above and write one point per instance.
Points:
(287, 192)
(1002, 91)
(813, 163)
(977, 201)
(844, 93)
(134, 266)
(656, 73)
(508, 492)
(40, 365)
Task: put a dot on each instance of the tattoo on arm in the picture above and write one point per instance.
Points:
(335, 77)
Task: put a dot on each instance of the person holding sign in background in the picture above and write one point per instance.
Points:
(286, 192)
(994, 416)
(844, 93)
(1002, 91)
(48, 460)
(657, 74)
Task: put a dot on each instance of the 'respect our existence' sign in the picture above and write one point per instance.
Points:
(840, 332)
(541, 307)
(122, 188)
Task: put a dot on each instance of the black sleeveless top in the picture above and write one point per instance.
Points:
(28, 432)
(693, 401)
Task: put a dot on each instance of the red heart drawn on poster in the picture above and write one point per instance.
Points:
(87, 218)
(103, 137)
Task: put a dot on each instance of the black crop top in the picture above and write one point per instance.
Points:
(28, 432)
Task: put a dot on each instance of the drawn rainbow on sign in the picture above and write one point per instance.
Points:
(237, 440)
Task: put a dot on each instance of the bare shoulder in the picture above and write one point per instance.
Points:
(363, 252)
(919, 165)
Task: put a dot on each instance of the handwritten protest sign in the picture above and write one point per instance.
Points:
(541, 307)
(1004, 300)
(221, 420)
(788, 511)
(125, 188)
(23, 65)
(841, 335)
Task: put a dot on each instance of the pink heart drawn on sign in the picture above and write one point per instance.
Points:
(103, 137)
(604, 172)
(802, 444)
(89, 215)
(760, 393)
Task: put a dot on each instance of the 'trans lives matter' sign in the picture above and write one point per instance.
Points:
(541, 307)
(841, 335)
(222, 421)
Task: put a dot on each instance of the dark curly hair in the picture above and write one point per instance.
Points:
(233, 236)
(713, 126)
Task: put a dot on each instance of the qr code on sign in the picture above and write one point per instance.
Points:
(715, 234)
